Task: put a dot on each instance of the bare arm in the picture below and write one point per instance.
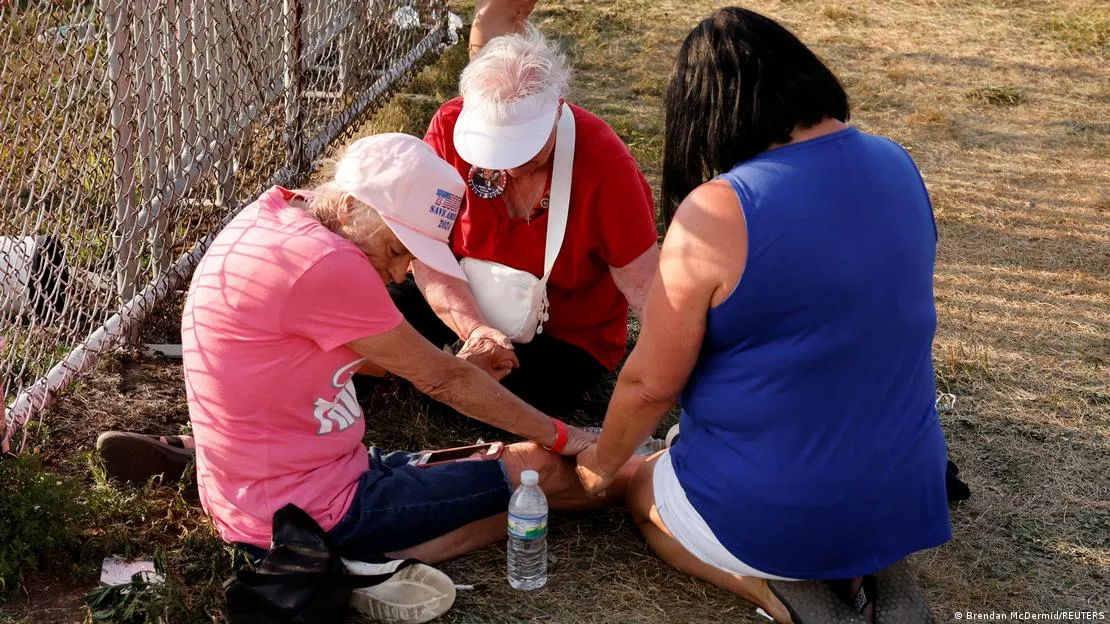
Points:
(461, 385)
(454, 304)
(497, 17)
(634, 279)
(450, 299)
(702, 257)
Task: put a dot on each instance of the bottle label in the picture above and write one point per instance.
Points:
(527, 528)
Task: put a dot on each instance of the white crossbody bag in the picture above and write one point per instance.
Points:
(514, 302)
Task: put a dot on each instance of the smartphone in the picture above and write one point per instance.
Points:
(476, 452)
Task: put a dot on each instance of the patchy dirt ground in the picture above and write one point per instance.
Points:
(1005, 104)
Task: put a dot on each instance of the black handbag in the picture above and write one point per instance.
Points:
(302, 579)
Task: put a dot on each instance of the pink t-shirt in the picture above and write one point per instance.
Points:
(268, 376)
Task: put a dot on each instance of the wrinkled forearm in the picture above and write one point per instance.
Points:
(450, 299)
(473, 393)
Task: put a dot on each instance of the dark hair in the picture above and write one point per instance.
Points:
(741, 83)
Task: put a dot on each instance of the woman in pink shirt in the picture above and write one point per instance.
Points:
(286, 306)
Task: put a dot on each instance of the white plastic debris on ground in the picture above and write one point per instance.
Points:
(170, 351)
(406, 17)
(118, 571)
(57, 35)
(454, 25)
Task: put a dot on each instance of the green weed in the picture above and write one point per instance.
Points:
(38, 509)
(136, 602)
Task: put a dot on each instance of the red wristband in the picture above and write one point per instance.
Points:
(560, 436)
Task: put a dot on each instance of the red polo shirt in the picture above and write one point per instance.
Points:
(610, 223)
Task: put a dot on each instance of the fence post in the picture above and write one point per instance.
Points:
(291, 48)
(347, 43)
(170, 122)
(252, 91)
(152, 131)
(117, 16)
(201, 81)
(227, 53)
(187, 74)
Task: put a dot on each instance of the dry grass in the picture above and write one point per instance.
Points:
(999, 96)
(1020, 177)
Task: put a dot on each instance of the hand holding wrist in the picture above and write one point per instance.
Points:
(487, 333)
(468, 331)
(569, 441)
(559, 437)
(592, 477)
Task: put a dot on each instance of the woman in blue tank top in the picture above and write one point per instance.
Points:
(793, 319)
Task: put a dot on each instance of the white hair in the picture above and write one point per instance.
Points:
(512, 67)
(345, 214)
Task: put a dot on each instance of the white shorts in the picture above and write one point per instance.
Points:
(688, 527)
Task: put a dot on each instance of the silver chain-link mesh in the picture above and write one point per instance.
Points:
(133, 129)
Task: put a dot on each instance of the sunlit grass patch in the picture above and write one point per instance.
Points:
(1087, 31)
(1006, 95)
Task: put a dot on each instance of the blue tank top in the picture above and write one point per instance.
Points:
(810, 440)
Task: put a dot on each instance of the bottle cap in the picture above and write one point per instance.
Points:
(529, 477)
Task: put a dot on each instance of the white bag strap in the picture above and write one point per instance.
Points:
(560, 190)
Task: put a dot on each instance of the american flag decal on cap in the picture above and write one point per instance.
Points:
(446, 208)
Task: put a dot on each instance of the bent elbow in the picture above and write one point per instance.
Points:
(654, 393)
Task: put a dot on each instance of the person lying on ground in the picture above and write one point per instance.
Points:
(793, 318)
(287, 304)
(502, 135)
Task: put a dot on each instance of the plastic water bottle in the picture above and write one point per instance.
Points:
(650, 445)
(528, 534)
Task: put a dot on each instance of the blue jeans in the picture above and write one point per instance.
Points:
(398, 506)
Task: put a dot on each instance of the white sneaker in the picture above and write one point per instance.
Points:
(672, 436)
(418, 593)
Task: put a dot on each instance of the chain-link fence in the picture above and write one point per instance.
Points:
(133, 129)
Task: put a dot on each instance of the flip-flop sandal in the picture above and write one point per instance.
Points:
(135, 458)
(898, 597)
(814, 602)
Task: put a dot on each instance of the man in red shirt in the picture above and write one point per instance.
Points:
(501, 137)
